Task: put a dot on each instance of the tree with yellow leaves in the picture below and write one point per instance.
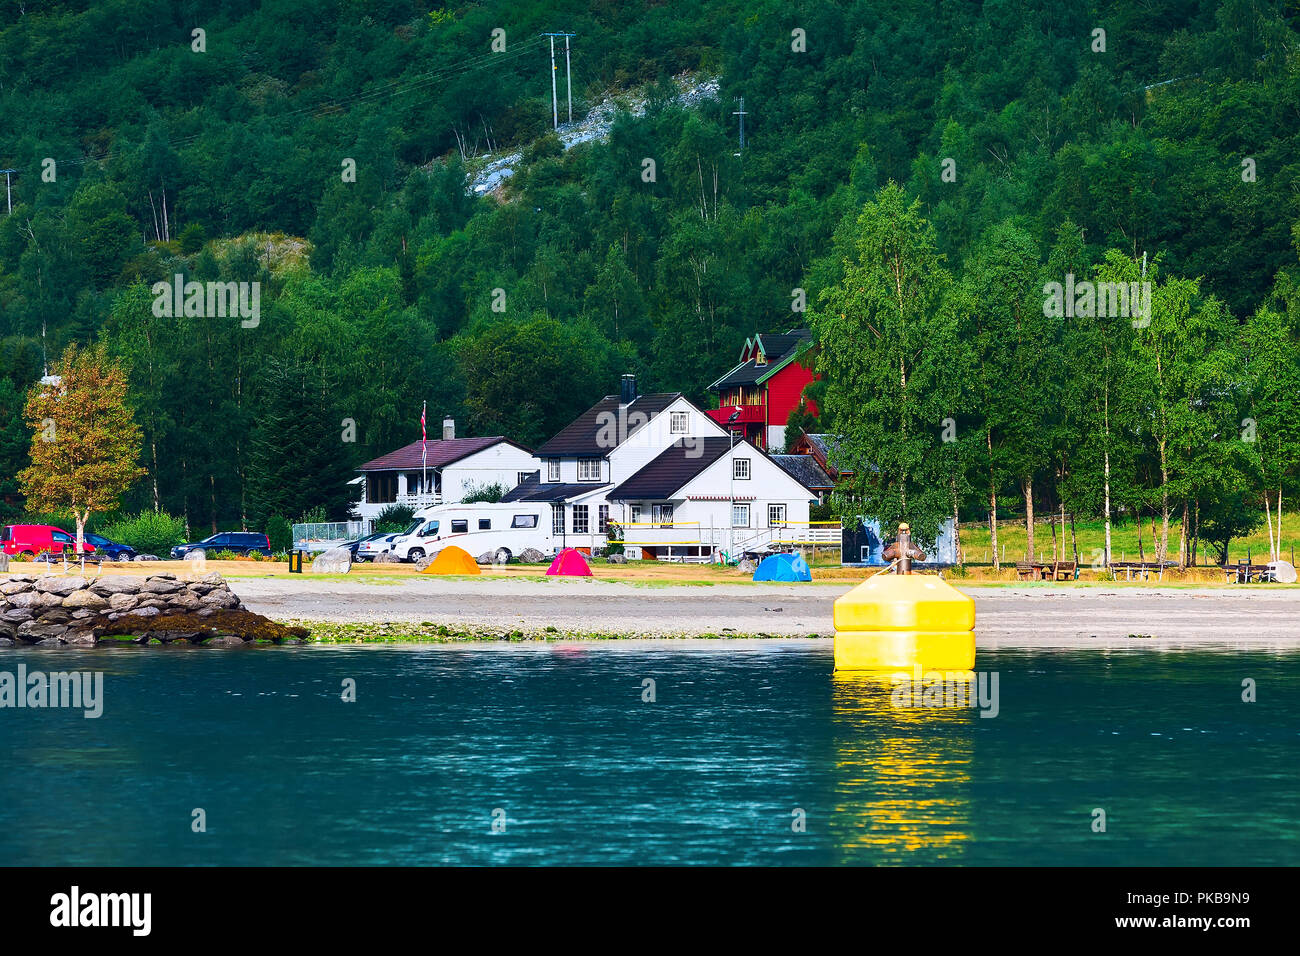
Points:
(85, 442)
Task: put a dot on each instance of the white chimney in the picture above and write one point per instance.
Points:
(448, 429)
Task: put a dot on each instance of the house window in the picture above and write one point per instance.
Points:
(739, 516)
(677, 423)
(523, 521)
(460, 526)
(634, 514)
(589, 469)
(557, 519)
(663, 515)
(485, 524)
(760, 359)
(740, 468)
(602, 519)
(776, 516)
(553, 470)
(580, 519)
(522, 477)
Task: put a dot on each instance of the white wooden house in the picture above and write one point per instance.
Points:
(616, 461)
(455, 467)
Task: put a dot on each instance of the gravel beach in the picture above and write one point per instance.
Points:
(1006, 617)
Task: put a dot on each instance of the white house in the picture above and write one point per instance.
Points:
(711, 494)
(453, 468)
(585, 470)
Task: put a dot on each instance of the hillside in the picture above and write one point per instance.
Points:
(164, 156)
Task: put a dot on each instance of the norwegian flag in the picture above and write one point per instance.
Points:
(424, 433)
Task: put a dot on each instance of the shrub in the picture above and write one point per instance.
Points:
(149, 532)
(615, 537)
(280, 532)
(317, 515)
(393, 519)
(491, 493)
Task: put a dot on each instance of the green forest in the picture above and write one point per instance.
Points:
(916, 173)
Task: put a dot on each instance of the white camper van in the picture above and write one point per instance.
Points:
(478, 528)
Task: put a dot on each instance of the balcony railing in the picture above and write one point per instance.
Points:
(749, 414)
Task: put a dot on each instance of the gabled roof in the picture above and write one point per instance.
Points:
(536, 490)
(778, 349)
(823, 446)
(579, 437)
(672, 469)
(805, 470)
(442, 452)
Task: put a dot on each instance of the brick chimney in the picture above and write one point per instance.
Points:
(448, 429)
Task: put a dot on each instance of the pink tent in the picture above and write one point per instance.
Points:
(570, 562)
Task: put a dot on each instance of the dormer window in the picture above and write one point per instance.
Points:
(589, 469)
(760, 358)
(553, 470)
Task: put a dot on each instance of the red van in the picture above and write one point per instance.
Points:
(29, 540)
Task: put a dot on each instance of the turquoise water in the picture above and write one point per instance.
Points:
(556, 741)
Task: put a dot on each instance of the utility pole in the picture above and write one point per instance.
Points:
(568, 79)
(8, 190)
(741, 113)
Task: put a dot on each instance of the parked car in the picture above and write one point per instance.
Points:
(368, 547)
(29, 540)
(112, 550)
(240, 542)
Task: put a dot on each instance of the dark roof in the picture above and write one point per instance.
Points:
(805, 470)
(824, 446)
(536, 490)
(775, 346)
(579, 436)
(442, 452)
(674, 467)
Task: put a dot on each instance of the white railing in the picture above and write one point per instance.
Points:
(735, 541)
(323, 535)
(420, 500)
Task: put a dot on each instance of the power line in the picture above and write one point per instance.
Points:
(568, 78)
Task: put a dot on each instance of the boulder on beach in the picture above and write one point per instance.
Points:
(387, 557)
(746, 566)
(531, 556)
(333, 561)
(619, 558)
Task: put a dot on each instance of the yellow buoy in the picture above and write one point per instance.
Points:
(893, 621)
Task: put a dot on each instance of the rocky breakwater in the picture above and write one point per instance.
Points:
(57, 609)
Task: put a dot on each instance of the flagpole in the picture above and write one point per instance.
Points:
(424, 450)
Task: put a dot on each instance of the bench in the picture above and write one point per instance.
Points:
(1029, 570)
(1069, 568)
(1244, 573)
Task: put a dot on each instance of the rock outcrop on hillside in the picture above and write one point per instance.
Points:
(58, 609)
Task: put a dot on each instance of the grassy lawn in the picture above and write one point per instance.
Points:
(1124, 540)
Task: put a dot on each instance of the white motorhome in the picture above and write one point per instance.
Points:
(506, 529)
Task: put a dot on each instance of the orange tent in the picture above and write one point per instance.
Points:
(571, 563)
(452, 560)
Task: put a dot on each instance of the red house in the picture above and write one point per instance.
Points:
(764, 388)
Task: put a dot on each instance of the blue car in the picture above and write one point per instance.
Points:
(110, 549)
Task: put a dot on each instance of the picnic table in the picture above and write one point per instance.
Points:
(1243, 573)
(1047, 570)
(1141, 569)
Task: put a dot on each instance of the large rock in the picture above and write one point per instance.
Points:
(36, 600)
(160, 585)
(219, 598)
(34, 631)
(87, 599)
(79, 637)
(616, 559)
(531, 556)
(117, 585)
(746, 566)
(4, 561)
(14, 585)
(333, 561)
(424, 562)
(58, 584)
(387, 557)
(122, 601)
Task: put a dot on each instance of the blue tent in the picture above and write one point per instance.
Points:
(783, 567)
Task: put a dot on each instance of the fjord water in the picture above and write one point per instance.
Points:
(557, 741)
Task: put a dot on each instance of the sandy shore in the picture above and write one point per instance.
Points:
(1006, 617)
